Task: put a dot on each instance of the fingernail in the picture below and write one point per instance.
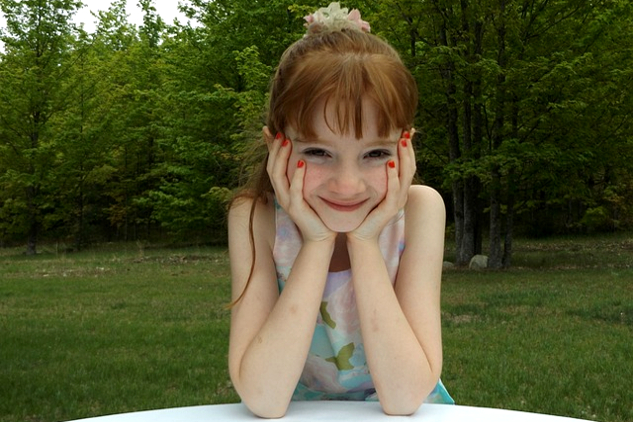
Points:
(407, 135)
(301, 163)
(278, 136)
(285, 142)
(392, 164)
(404, 143)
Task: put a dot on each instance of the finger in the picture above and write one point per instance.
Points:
(412, 149)
(277, 167)
(280, 171)
(393, 184)
(296, 184)
(406, 171)
(282, 153)
(273, 145)
(406, 155)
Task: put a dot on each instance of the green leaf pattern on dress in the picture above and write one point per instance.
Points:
(327, 319)
(342, 361)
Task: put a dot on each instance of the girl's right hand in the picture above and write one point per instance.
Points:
(289, 194)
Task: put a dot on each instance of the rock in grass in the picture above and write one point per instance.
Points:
(478, 262)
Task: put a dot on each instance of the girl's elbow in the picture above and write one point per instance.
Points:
(267, 409)
(264, 401)
(264, 404)
(406, 401)
(402, 406)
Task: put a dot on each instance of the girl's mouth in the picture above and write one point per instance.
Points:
(345, 207)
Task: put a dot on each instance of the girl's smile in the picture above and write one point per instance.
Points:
(346, 177)
(344, 207)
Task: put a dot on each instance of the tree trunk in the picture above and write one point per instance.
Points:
(458, 214)
(452, 119)
(495, 260)
(507, 246)
(511, 191)
(32, 190)
(31, 245)
(472, 133)
(470, 200)
(478, 140)
(80, 235)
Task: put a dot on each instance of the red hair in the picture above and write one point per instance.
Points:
(343, 68)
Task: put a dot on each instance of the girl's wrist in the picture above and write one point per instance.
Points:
(357, 242)
(363, 251)
(327, 240)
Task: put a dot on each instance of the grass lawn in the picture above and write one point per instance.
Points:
(120, 328)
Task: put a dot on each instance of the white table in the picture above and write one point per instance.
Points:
(331, 411)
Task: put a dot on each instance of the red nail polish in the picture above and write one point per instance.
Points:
(285, 142)
(392, 164)
(278, 136)
(301, 163)
(407, 135)
(404, 143)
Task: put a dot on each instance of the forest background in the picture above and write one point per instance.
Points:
(143, 132)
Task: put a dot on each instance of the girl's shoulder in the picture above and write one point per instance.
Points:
(425, 212)
(425, 222)
(252, 213)
(243, 204)
(424, 199)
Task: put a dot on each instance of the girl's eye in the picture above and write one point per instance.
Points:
(379, 153)
(315, 152)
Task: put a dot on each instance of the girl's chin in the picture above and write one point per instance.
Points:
(341, 226)
(341, 221)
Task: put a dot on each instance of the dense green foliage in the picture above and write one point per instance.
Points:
(141, 132)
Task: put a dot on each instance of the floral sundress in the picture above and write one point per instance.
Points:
(336, 367)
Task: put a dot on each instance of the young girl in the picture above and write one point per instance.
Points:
(336, 258)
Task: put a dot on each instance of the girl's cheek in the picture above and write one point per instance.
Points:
(309, 179)
(379, 181)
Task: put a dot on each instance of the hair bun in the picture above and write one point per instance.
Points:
(335, 18)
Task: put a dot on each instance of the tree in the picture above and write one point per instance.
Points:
(524, 115)
(32, 69)
(83, 133)
(212, 111)
(500, 82)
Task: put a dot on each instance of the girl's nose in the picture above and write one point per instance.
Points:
(346, 181)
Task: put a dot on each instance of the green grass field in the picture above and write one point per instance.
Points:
(121, 328)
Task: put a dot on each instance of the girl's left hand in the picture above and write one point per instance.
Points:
(399, 179)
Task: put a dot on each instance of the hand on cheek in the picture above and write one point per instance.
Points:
(287, 179)
(399, 177)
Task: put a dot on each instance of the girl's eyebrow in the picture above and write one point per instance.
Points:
(383, 142)
(299, 140)
(317, 141)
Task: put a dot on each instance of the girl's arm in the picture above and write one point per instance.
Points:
(401, 325)
(271, 333)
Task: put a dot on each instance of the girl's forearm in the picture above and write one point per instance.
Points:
(272, 364)
(401, 371)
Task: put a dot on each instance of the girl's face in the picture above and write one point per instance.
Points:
(346, 178)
